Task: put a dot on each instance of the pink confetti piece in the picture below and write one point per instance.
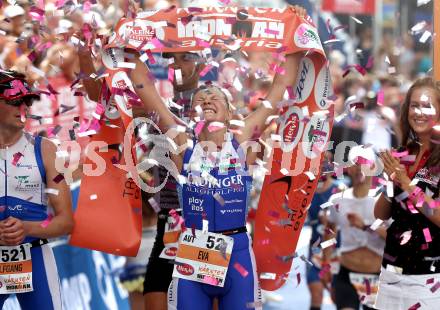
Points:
(205, 70)
(367, 286)
(411, 207)
(214, 127)
(16, 158)
(271, 31)
(47, 221)
(380, 97)
(415, 306)
(58, 178)
(399, 154)
(298, 278)
(157, 43)
(435, 287)
(241, 270)
(210, 280)
(430, 281)
(199, 127)
(363, 161)
(427, 234)
(170, 74)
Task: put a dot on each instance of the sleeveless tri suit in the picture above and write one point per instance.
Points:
(22, 195)
(217, 189)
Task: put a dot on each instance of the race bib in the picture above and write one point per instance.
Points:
(15, 269)
(366, 286)
(170, 240)
(203, 257)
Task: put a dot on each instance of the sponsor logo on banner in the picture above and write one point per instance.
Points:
(185, 269)
(305, 80)
(141, 31)
(111, 57)
(121, 81)
(292, 129)
(323, 88)
(171, 251)
(315, 137)
(307, 37)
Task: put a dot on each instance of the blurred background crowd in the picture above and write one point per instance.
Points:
(376, 49)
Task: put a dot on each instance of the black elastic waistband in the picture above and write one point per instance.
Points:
(233, 231)
(39, 242)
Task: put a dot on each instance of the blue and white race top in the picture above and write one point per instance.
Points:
(23, 181)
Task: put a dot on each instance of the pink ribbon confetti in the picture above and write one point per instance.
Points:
(415, 306)
(205, 70)
(16, 158)
(210, 280)
(47, 221)
(170, 74)
(380, 97)
(241, 270)
(427, 234)
(435, 287)
(399, 154)
(271, 31)
(199, 127)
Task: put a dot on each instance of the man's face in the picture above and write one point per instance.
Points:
(17, 23)
(12, 117)
(189, 69)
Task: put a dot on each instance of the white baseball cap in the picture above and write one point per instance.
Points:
(12, 11)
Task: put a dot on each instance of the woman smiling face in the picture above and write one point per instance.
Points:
(213, 104)
(423, 111)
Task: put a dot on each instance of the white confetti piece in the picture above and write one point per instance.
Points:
(198, 109)
(62, 154)
(205, 225)
(268, 276)
(219, 198)
(284, 171)
(237, 122)
(275, 137)
(93, 197)
(422, 2)
(425, 36)
(51, 191)
(327, 243)
(181, 179)
(310, 175)
(267, 104)
(305, 111)
(356, 20)
(326, 205)
(86, 133)
(126, 65)
(270, 119)
(376, 224)
(178, 76)
(143, 57)
(154, 205)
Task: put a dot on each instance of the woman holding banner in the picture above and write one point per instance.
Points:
(412, 250)
(216, 206)
(215, 259)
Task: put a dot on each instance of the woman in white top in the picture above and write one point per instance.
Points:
(361, 248)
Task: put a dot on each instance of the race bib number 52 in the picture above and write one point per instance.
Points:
(15, 269)
(203, 257)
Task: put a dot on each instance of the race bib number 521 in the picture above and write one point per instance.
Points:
(15, 269)
(203, 257)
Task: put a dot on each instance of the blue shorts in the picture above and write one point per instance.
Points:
(238, 293)
(46, 294)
